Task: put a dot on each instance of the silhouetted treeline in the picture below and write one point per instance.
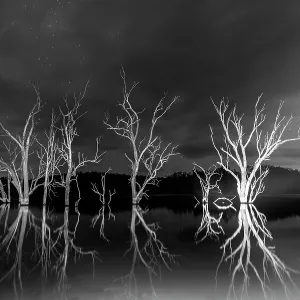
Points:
(279, 181)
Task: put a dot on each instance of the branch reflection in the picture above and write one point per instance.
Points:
(252, 230)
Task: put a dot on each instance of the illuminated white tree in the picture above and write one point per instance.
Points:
(19, 172)
(49, 158)
(249, 186)
(147, 151)
(209, 222)
(68, 133)
(105, 205)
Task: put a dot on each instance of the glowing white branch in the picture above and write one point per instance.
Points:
(149, 150)
(104, 205)
(68, 133)
(23, 143)
(249, 186)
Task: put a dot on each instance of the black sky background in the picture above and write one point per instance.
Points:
(193, 49)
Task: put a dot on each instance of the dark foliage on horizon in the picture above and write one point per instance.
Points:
(279, 181)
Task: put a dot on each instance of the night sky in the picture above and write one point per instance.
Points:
(193, 49)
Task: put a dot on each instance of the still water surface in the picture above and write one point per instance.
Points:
(88, 277)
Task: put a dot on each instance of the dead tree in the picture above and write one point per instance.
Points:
(209, 222)
(148, 150)
(68, 133)
(49, 158)
(23, 143)
(105, 205)
(250, 185)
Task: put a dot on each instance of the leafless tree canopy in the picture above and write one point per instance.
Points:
(68, 133)
(149, 150)
(19, 172)
(250, 184)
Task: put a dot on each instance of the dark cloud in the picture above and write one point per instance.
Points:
(193, 151)
(194, 49)
(291, 153)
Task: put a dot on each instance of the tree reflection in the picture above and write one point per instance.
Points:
(252, 224)
(68, 246)
(46, 246)
(150, 252)
(15, 232)
(4, 213)
(105, 205)
(209, 222)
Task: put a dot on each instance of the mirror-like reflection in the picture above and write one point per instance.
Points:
(105, 205)
(150, 251)
(238, 250)
(40, 250)
(211, 222)
(15, 233)
(68, 245)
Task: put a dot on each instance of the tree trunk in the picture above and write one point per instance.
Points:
(25, 200)
(3, 194)
(45, 195)
(133, 190)
(45, 187)
(67, 189)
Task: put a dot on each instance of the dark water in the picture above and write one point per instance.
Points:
(66, 257)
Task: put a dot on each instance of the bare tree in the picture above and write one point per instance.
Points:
(23, 143)
(249, 186)
(69, 132)
(147, 151)
(49, 158)
(210, 222)
(105, 204)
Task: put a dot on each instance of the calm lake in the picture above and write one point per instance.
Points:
(44, 260)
